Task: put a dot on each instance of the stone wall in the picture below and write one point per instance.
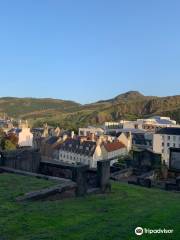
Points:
(146, 160)
(125, 173)
(26, 159)
(76, 173)
(29, 160)
(103, 174)
(80, 174)
(92, 178)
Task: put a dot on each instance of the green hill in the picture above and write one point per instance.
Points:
(99, 217)
(130, 105)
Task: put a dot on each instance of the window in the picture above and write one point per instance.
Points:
(168, 144)
(162, 144)
(174, 138)
(174, 145)
(169, 137)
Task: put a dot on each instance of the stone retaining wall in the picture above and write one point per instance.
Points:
(26, 159)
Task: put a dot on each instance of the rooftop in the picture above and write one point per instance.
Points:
(86, 148)
(110, 147)
(169, 131)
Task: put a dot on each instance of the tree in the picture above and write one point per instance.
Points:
(13, 138)
(8, 145)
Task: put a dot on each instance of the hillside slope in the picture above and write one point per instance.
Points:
(20, 107)
(130, 105)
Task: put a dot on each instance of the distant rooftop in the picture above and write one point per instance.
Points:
(163, 120)
(169, 131)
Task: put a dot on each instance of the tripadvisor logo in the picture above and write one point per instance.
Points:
(139, 231)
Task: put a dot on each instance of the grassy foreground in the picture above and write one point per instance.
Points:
(103, 217)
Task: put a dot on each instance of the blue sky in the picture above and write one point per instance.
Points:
(89, 50)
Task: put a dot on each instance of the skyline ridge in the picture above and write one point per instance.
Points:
(98, 101)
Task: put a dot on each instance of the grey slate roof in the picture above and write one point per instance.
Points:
(86, 148)
(161, 121)
(169, 131)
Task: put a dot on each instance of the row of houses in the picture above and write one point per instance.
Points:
(110, 141)
(90, 152)
(157, 134)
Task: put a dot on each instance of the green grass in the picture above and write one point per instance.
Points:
(99, 217)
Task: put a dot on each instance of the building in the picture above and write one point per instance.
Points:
(126, 139)
(150, 124)
(91, 130)
(75, 151)
(25, 137)
(6, 125)
(48, 147)
(164, 139)
(132, 137)
(112, 125)
(89, 153)
(112, 150)
(155, 123)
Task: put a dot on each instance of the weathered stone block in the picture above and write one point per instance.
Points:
(103, 175)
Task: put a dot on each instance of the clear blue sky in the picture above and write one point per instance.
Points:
(86, 50)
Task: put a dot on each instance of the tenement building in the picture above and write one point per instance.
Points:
(164, 139)
(75, 151)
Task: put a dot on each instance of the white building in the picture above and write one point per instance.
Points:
(164, 139)
(126, 139)
(149, 124)
(113, 150)
(132, 137)
(91, 130)
(89, 152)
(155, 123)
(75, 151)
(112, 125)
(25, 137)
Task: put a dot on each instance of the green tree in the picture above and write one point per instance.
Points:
(8, 145)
